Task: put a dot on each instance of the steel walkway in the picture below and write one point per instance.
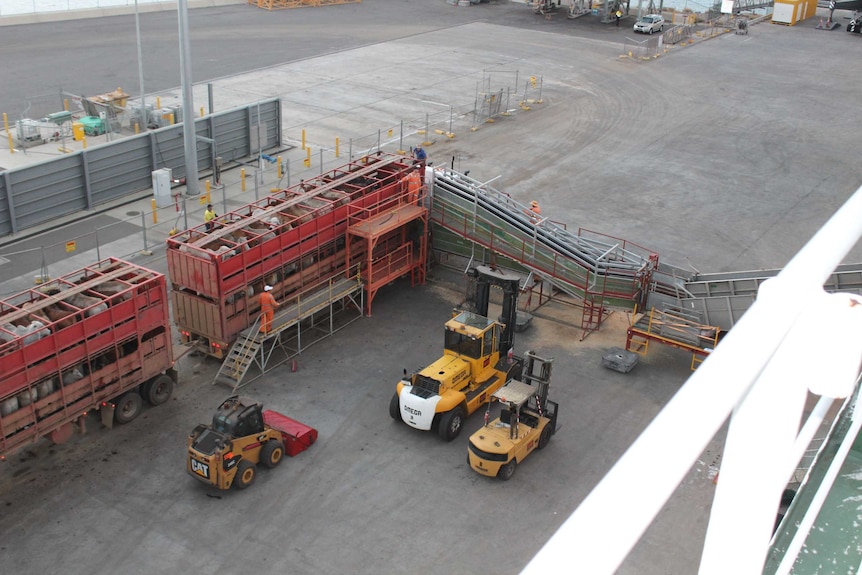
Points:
(263, 351)
(721, 298)
(601, 271)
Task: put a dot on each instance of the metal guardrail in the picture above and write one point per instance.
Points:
(794, 341)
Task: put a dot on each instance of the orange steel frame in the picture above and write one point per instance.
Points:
(390, 251)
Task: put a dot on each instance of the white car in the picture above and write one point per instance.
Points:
(649, 24)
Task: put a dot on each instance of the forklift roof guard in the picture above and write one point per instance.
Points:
(514, 391)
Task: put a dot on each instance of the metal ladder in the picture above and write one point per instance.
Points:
(241, 355)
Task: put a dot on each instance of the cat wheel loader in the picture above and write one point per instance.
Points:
(242, 436)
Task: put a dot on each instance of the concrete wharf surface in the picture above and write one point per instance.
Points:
(726, 154)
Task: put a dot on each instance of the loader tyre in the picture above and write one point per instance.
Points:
(395, 408)
(159, 390)
(128, 407)
(272, 453)
(451, 423)
(545, 437)
(246, 473)
(507, 471)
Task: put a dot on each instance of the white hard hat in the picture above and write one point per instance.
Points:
(267, 288)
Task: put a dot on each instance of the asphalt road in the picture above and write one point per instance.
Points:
(85, 58)
(713, 155)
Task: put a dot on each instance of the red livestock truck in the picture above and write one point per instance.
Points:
(291, 239)
(97, 338)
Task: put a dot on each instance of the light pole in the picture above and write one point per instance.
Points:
(189, 140)
(144, 116)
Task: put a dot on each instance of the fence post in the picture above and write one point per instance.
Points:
(401, 139)
(321, 160)
(145, 251)
(256, 186)
(378, 139)
(351, 150)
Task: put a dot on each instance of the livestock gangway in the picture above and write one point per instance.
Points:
(601, 271)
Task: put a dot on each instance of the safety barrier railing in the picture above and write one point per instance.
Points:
(796, 339)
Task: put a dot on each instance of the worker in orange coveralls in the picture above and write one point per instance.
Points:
(414, 186)
(535, 209)
(267, 306)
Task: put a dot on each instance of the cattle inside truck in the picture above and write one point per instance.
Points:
(97, 338)
(292, 239)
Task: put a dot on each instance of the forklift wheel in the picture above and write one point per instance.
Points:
(507, 471)
(246, 473)
(545, 437)
(451, 422)
(395, 408)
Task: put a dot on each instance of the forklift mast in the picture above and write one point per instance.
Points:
(484, 277)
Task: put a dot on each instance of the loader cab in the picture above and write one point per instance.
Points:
(470, 335)
(238, 417)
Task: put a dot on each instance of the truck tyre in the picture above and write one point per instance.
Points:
(128, 407)
(395, 408)
(507, 471)
(272, 453)
(545, 437)
(159, 390)
(451, 422)
(246, 473)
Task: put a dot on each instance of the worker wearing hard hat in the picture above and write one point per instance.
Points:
(268, 305)
(534, 207)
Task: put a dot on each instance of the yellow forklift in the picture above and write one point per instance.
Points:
(526, 423)
(241, 436)
(477, 360)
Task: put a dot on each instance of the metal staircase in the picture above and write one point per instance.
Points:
(336, 302)
(473, 220)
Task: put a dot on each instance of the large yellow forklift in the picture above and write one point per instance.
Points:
(477, 360)
(241, 436)
(526, 423)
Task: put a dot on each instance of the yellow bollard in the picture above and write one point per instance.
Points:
(278, 167)
(155, 215)
(303, 138)
(307, 161)
(389, 133)
(208, 186)
(84, 142)
(202, 111)
(8, 133)
(137, 128)
(337, 155)
(66, 104)
(242, 178)
(158, 102)
(171, 118)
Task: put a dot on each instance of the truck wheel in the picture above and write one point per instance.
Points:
(246, 473)
(272, 453)
(395, 408)
(545, 437)
(128, 407)
(450, 423)
(159, 390)
(507, 471)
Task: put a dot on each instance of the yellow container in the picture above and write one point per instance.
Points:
(789, 12)
(77, 131)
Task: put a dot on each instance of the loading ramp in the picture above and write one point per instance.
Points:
(313, 315)
(601, 271)
(720, 299)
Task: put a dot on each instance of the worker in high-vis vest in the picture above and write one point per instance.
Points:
(414, 186)
(268, 305)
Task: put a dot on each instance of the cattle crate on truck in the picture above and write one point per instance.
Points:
(98, 338)
(291, 239)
